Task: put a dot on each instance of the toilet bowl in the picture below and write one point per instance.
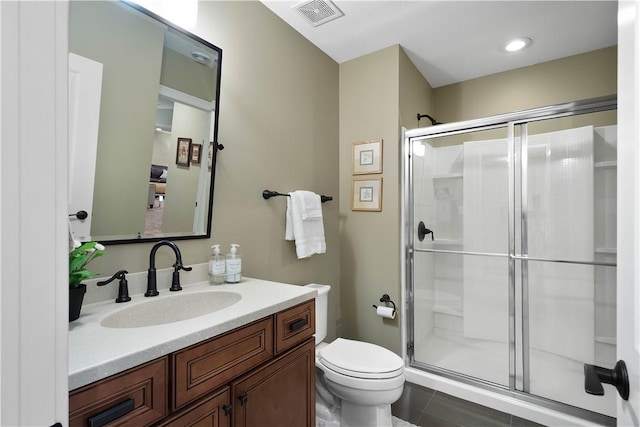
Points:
(364, 378)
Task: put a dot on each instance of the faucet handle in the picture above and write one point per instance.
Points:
(123, 289)
(179, 266)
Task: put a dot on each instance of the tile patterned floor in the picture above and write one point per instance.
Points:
(428, 408)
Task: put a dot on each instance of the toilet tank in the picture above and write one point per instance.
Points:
(322, 302)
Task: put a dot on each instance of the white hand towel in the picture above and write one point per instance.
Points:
(288, 231)
(311, 206)
(308, 234)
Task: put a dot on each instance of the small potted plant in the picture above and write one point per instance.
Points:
(79, 257)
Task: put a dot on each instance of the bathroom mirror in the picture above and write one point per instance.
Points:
(143, 108)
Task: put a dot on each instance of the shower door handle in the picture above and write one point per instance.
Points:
(423, 231)
(594, 376)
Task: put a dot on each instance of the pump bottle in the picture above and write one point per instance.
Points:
(233, 264)
(216, 267)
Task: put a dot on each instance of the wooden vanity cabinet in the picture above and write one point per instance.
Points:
(235, 379)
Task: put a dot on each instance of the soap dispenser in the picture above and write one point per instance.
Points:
(233, 264)
(216, 267)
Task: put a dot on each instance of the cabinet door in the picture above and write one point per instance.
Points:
(281, 393)
(214, 411)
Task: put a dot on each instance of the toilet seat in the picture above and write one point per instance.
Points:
(359, 359)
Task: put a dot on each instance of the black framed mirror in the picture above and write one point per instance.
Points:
(143, 107)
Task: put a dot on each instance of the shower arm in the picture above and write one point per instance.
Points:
(433, 121)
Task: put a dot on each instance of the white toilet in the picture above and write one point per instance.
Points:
(356, 382)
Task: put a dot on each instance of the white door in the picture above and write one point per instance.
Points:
(628, 287)
(33, 209)
(85, 89)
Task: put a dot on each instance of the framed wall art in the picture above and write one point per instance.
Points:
(183, 152)
(196, 152)
(366, 194)
(366, 157)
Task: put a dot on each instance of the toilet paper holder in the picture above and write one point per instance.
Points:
(386, 299)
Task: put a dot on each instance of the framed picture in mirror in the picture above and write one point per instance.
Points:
(196, 150)
(183, 152)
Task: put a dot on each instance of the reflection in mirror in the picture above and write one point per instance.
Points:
(137, 87)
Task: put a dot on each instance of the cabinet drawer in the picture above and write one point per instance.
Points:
(206, 366)
(295, 325)
(134, 397)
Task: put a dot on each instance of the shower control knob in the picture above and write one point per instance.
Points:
(423, 231)
(594, 376)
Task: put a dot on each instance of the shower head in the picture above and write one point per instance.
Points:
(433, 121)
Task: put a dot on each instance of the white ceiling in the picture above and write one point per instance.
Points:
(452, 41)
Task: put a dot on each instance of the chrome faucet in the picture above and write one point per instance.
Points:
(152, 289)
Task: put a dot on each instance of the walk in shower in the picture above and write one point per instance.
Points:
(511, 253)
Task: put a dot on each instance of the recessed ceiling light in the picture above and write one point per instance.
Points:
(200, 57)
(518, 44)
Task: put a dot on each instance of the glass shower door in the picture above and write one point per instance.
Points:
(568, 245)
(461, 265)
(512, 254)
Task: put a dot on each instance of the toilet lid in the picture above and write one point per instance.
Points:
(361, 359)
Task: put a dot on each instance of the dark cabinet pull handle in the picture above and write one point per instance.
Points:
(298, 324)
(618, 377)
(243, 399)
(227, 409)
(111, 414)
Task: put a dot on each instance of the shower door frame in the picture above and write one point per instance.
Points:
(510, 121)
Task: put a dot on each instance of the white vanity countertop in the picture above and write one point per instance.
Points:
(96, 352)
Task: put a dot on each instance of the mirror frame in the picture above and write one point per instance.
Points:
(216, 145)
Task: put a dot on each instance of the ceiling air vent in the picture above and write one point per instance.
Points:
(318, 12)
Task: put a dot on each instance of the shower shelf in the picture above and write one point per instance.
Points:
(447, 175)
(606, 251)
(605, 339)
(443, 309)
(447, 241)
(606, 164)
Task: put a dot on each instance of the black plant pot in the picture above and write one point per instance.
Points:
(76, 295)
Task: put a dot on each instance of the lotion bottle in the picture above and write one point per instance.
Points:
(233, 264)
(216, 267)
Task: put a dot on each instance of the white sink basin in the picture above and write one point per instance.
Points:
(169, 309)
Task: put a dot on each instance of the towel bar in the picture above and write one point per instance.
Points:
(267, 194)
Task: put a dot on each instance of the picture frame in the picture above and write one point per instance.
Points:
(183, 152)
(196, 153)
(366, 157)
(210, 156)
(366, 194)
